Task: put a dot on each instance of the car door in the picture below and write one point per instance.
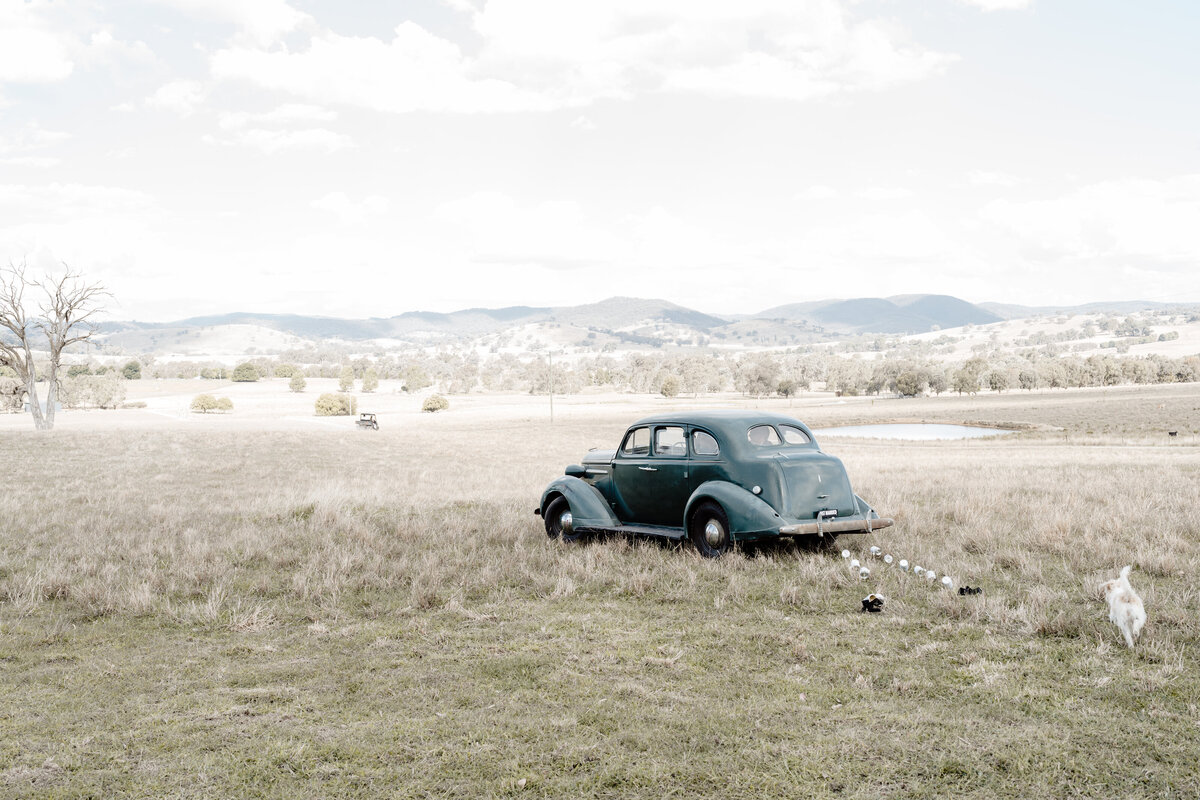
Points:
(650, 475)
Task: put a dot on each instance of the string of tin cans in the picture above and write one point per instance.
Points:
(876, 552)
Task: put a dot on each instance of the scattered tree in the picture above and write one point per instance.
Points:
(346, 379)
(336, 405)
(670, 386)
(297, 383)
(245, 373)
(204, 403)
(370, 380)
(131, 371)
(64, 317)
(416, 378)
(434, 403)
(100, 391)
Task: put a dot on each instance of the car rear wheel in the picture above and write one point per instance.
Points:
(708, 529)
(560, 523)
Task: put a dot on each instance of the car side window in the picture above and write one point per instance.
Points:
(763, 435)
(703, 444)
(637, 443)
(669, 441)
(793, 435)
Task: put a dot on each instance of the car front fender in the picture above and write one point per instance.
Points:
(749, 515)
(588, 507)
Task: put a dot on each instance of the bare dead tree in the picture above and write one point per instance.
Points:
(64, 317)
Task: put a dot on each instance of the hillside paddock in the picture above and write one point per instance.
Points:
(219, 606)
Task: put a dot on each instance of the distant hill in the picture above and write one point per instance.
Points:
(1010, 311)
(914, 313)
(617, 320)
(623, 312)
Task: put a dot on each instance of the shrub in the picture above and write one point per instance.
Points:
(101, 391)
(245, 373)
(435, 402)
(336, 405)
(204, 403)
(224, 404)
(286, 370)
(670, 386)
(416, 379)
(297, 383)
(132, 371)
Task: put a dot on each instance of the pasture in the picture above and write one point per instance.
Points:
(210, 608)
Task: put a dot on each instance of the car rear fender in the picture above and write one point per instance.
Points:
(588, 507)
(748, 514)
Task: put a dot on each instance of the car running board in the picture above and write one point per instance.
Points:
(837, 526)
(640, 530)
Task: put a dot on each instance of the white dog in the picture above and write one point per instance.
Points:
(1124, 606)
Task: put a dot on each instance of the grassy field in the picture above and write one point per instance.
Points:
(331, 613)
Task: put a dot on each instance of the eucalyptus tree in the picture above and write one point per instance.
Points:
(62, 313)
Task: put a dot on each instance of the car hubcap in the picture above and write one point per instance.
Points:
(714, 534)
(565, 521)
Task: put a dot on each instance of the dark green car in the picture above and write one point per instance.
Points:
(715, 477)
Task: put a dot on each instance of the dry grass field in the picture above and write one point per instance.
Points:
(222, 610)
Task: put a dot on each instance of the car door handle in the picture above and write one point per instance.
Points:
(648, 469)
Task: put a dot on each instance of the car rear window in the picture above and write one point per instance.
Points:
(703, 444)
(763, 435)
(793, 435)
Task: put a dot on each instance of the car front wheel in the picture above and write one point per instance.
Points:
(560, 523)
(709, 530)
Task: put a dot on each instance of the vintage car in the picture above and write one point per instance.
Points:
(714, 477)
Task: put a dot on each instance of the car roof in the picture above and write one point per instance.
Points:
(731, 422)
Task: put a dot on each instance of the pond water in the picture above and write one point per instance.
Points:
(913, 431)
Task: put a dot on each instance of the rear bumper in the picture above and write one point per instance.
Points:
(836, 526)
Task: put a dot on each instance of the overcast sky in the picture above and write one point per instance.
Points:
(370, 158)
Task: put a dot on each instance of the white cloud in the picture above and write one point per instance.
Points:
(280, 116)
(817, 192)
(259, 22)
(31, 137)
(884, 193)
(182, 97)
(981, 177)
(350, 212)
(1147, 220)
(104, 48)
(30, 52)
(580, 51)
(272, 141)
(493, 227)
(415, 71)
(544, 54)
(20, 202)
(81, 224)
(998, 5)
(40, 162)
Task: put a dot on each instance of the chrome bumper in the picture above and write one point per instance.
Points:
(837, 526)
